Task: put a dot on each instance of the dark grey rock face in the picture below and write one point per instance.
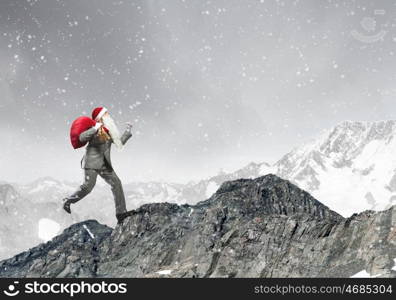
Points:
(74, 253)
(263, 227)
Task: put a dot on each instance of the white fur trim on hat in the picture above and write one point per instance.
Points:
(100, 115)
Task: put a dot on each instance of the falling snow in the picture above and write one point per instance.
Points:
(212, 77)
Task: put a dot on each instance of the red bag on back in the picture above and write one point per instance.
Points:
(79, 125)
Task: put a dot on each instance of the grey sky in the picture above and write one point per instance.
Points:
(208, 84)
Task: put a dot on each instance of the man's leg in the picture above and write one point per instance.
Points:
(90, 176)
(112, 179)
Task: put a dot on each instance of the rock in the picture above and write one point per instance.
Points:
(74, 253)
(263, 227)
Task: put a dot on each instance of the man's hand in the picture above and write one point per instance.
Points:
(129, 126)
(98, 125)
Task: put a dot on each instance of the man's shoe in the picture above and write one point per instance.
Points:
(122, 216)
(66, 205)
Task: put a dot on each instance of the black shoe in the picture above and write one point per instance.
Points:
(122, 216)
(66, 205)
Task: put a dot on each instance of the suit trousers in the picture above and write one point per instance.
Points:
(108, 174)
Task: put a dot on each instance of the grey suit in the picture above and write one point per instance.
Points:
(97, 162)
(98, 151)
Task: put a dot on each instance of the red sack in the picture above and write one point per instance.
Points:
(79, 125)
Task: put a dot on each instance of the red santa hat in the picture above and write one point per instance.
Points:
(98, 113)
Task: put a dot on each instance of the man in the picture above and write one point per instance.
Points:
(97, 160)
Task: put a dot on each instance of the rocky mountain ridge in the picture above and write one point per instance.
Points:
(350, 168)
(262, 227)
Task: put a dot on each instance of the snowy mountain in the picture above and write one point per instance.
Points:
(350, 168)
(24, 223)
(45, 189)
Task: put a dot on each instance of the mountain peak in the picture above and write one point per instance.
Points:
(351, 167)
(382, 127)
(379, 123)
(268, 194)
(8, 194)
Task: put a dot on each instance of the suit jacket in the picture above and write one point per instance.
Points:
(98, 152)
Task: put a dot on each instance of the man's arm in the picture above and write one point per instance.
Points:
(87, 135)
(126, 136)
(127, 133)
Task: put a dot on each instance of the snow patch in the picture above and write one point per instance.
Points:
(191, 211)
(364, 274)
(211, 188)
(266, 169)
(164, 272)
(47, 229)
(89, 231)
